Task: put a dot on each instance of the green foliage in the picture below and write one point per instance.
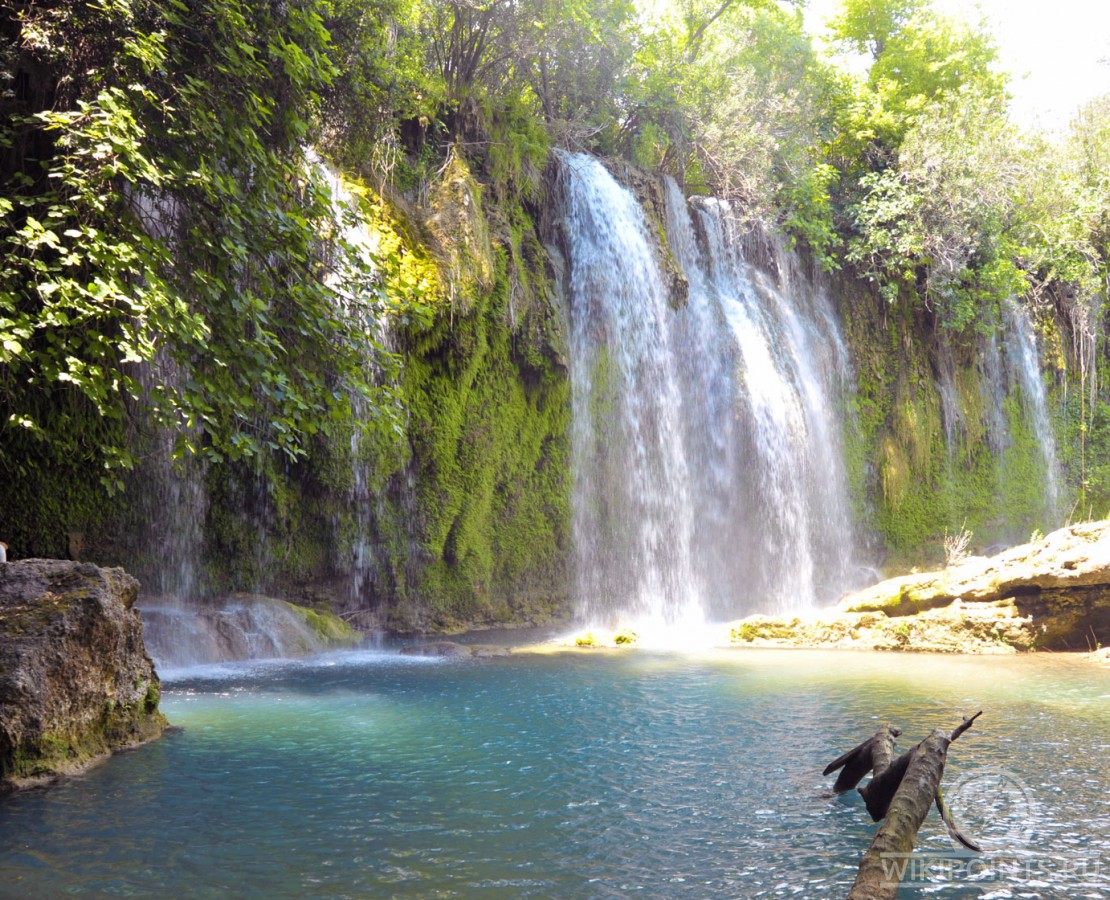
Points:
(380, 82)
(930, 165)
(940, 221)
(732, 99)
(866, 26)
(170, 257)
(919, 59)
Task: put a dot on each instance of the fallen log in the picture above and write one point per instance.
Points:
(872, 754)
(900, 794)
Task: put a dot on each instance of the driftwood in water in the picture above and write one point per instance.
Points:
(900, 793)
(874, 754)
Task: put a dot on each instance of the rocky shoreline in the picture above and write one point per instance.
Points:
(1050, 594)
(76, 682)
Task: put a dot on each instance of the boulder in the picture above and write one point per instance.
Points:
(436, 648)
(76, 682)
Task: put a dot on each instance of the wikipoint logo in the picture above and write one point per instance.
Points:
(995, 807)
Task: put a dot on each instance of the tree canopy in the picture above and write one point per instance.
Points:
(168, 241)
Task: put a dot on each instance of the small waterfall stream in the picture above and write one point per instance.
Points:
(364, 246)
(709, 476)
(1026, 363)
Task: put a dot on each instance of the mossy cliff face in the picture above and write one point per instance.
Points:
(463, 520)
(487, 396)
(75, 678)
(939, 440)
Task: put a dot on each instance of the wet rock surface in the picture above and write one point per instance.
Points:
(238, 627)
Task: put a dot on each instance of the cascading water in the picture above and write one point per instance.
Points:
(632, 500)
(361, 243)
(1025, 362)
(786, 532)
(708, 469)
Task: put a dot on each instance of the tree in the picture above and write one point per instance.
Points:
(942, 220)
(928, 160)
(381, 84)
(918, 58)
(167, 245)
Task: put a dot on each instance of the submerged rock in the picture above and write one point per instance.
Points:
(450, 649)
(76, 682)
(1049, 594)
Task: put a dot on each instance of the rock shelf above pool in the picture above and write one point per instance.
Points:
(1052, 594)
(76, 682)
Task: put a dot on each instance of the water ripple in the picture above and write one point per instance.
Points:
(663, 776)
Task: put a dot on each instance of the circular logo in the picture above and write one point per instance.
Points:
(993, 806)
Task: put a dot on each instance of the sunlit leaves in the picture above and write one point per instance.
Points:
(178, 229)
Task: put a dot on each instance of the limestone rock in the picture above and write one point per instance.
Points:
(75, 680)
(1071, 558)
(1050, 594)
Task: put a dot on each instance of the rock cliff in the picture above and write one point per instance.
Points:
(76, 682)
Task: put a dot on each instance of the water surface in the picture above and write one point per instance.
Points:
(577, 775)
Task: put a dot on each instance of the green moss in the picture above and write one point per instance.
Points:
(911, 480)
(489, 413)
(328, 627)
(762, 628)
(908, 600)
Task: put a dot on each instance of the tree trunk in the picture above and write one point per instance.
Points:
(900, 793)
(874, 754)
(883, 865)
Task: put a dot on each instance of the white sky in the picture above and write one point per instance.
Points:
(1058, 51)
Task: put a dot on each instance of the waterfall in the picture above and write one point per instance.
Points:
(708, 469)
(633, 503)
(786, 534)
(1026, 364)
(358, 246)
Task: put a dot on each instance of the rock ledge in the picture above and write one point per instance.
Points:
(1051, 594)
(76, 682)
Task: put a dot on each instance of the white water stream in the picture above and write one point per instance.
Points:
(709, 475)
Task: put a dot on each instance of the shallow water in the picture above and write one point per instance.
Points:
(577, 775)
